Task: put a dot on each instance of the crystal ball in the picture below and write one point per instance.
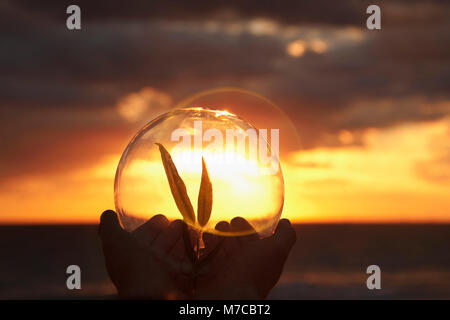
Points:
(241, 160)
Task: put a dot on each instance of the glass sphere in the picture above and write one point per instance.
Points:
(243, 168)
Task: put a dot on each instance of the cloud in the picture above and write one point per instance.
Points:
(436, 168)
(145, 104)
(41, 141)
(57, 85)
(288, 12)
(390, 111)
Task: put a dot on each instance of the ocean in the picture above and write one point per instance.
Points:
(327, 262)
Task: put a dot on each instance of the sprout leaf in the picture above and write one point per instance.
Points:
(177, 186)
(205, 197)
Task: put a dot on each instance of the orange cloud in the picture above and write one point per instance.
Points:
(375, 183)
(378, 182)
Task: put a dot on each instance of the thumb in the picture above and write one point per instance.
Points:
(285, 236)
(115, 246)
(110, 230)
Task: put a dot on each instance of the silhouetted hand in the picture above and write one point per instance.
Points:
(150, 262)
(246, 267)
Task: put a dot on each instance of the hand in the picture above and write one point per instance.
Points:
(246, 267)
(150, 262)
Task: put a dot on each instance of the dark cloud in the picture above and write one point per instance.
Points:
(56, 85)
(291, 12)
(112, 60)
(287, 12)
(40, 141)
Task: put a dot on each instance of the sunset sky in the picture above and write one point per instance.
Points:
(371, 108)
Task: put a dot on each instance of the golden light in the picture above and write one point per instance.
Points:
(243, 184)
(384, 181)
(234, 186)
(345, 137)
(318, 46)
(296, 48)
(394, 177)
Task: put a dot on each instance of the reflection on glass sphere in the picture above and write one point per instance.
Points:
(246, 182)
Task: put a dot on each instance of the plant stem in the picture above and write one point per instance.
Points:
(196, 264)
(199, 234)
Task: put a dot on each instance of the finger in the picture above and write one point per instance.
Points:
(151, 229)
(230, 244)
(169, 236)
(115, 244)
(241, 226)
(178, 251)
(284, 236)
(110, 231)
(183, 266)
(218, 263)
(211, 241)
(223, 226)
